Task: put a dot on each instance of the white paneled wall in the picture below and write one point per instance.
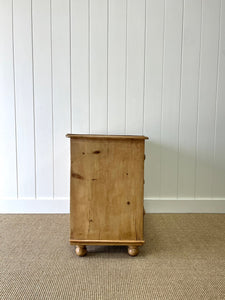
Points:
(152, 67)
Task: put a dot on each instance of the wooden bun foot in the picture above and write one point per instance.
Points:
(133, 250)
(81, 250)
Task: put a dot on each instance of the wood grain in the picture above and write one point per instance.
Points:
(107, 242)
(106, 204)
(96, 136)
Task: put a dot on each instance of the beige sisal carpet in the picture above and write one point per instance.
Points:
(183, 258)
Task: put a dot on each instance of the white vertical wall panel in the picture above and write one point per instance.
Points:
(61, 94)
(207, 97)
(116, 67)
(98, 66)
(80, 61)
(171, 97)
(24, 97)
(135, 66)
(219, 138)
(43, 97)
(8, 151)
(189, 98)
(153, 94)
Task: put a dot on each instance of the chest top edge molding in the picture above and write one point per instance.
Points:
(99, 136)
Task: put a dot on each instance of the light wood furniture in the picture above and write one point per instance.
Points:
(106, 191)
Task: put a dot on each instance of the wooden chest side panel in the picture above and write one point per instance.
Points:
(106, 189)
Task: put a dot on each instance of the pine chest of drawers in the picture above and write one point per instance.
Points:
(106, 191)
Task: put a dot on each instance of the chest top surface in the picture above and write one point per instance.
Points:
(99, 136)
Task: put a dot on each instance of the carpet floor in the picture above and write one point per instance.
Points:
(183, 258)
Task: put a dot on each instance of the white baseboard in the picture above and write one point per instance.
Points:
(184, 206)
(61, 205)
(35, 206)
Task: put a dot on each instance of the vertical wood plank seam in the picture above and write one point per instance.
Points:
(144, 73)
(216, 105)
(162, 95)
(89, 67)
(197, 118)
(52, 104)
(180, 96)
(14, 103)
(34, 119)
(107, 73)
(70, 61)
(125, 90)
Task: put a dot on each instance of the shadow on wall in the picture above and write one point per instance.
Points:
(170, 174)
